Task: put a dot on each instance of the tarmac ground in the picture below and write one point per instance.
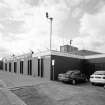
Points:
(39, 91)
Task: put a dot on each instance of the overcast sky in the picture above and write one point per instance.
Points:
(24, 27)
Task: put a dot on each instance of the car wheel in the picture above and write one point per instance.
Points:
(93, 83)
(74, 82)
(86, 80)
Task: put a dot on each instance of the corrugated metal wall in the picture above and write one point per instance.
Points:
(63, 64)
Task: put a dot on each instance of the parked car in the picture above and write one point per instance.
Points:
(98, 77)
(72, 76)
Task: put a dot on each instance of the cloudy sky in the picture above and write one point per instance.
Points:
(24, 27)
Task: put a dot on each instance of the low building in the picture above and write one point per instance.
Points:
(48, 64)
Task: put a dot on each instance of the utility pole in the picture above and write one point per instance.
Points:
(51, 20)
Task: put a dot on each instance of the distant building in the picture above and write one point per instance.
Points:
(68, 49)
(74, 50)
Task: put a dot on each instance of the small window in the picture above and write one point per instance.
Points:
(5, 66)
(15, 67)
(21, 67)
(9, 67)
(29, 67)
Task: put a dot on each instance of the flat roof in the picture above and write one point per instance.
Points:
(94, 56)
(58, 53)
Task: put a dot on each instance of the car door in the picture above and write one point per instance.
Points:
(77, 76)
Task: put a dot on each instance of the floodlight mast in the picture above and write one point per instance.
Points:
(51, 19)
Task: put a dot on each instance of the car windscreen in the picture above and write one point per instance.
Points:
(76, 73)
(69, 72)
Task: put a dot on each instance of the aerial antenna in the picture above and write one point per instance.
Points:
(47, 15)
(32, 52)
(71, 42)
(13, 55)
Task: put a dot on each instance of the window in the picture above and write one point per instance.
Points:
(21, 67)
(5, 66)
(15, 67)
(40, 67)
(29, 67)
(9, 67)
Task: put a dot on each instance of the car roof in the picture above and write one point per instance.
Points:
(99, 72)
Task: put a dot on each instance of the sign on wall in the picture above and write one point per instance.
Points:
(53, 62)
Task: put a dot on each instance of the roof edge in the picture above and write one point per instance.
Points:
(94, 56)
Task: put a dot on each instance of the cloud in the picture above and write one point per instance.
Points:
(23, 24)
(3, 52)
(33, 2)
(92, 30)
